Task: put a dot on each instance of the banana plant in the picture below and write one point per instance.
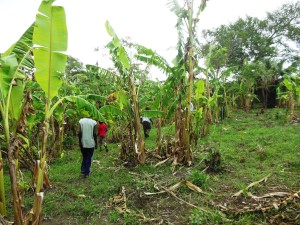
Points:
(15, 63)
(173, 102)
(248, 76)
(50, 38)
(7, 75)
(169, 96)
(124, 66)
(292, 93)
(186, 56)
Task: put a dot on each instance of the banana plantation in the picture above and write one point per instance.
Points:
(186, 172)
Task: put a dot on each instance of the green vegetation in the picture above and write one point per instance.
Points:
(251, 147)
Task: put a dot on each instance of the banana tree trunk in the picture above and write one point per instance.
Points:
(17, 201)
(41, 170)
(179, 139)
(188, 152)
(61, 138)
(158, 140)
(53, 152)
(226, 106)
(291, 105)
(207, 110)
(139, 146)
(2, 190)
(18, 217)
(216, 119)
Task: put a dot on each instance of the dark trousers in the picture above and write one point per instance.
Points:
(87, 157)
(147, 128)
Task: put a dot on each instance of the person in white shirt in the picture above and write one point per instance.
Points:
(88, 142)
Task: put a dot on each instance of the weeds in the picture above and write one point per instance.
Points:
(198, 178)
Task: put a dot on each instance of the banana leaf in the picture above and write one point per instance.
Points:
(51, 37)
(153, 113)
(111, 111)
(83, 104)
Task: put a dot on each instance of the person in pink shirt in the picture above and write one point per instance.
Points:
(102, 130)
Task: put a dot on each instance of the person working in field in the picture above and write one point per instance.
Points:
(146, 121)
(102, 130)
(87, 136)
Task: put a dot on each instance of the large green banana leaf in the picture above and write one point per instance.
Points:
(16, 60)
(51, 37)
(121, 53)
(111, 111)
(16, 64)
(83, 104)
(152, 113)
(149, 56)
(22, 48)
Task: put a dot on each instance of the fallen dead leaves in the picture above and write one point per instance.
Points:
(246, 202)
(251, 185)
(119, 202)
(269, 202)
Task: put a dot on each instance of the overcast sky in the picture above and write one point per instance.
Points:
(147, 22)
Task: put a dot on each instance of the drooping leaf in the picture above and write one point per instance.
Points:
(111, 111)
(70, 112)
(120, 53)
(22, 48)
(152, 113)
(111, 32)
(83, 104)
(7, 70)
(149, 56)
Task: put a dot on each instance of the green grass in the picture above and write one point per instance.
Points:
(251, 147)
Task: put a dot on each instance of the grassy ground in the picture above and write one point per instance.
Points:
(252, 147)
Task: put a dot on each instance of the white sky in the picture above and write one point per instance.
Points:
(146, 22)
